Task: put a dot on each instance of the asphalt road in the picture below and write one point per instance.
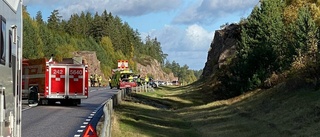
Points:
(61, 121)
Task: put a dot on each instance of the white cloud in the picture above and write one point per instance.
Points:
(185, 46)
(117, 7)
(208, 11)
(45, 3)
(33, 2)
(141, 7)
(198, 37)
(194, 37)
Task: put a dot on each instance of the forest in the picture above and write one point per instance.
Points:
(111, 38)
(279, 40)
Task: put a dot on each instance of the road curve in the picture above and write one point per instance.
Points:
(61, 121)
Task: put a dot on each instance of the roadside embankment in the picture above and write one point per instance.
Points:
(169, 112)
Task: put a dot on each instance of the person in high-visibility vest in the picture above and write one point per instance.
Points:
(130, 78)
(95, 79)
(146, 80)
(91, 80)
(110, 82)
(139, 81)
(99, 80)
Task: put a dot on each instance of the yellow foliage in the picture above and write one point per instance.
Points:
(291, 11)
(107, 44)
(64, 51)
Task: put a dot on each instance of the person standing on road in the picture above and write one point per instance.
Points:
(110, 82)
(130, 78)
(139, 81)
(95, 79)
(100, 80)
(146, 80)
(91, 80)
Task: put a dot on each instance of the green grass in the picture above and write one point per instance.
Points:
(181, 111)
(139, 119)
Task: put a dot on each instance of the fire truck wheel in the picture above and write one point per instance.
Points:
(65, 102)
(43, 102)
(40, 102)
(50, 102)
(73, 102)
(77, 102)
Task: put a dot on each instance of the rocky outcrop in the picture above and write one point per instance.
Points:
(154, 68)
(222, 47)
(90, 59)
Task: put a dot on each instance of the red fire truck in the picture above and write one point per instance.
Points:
(47, 82)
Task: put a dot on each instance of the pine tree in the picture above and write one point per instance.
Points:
(53, 20)
(39, 19)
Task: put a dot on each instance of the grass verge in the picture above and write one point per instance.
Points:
(175, 112)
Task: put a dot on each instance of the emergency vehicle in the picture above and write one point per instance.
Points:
(10, 67)
(120, 76)
(52, 82)
(125, 81)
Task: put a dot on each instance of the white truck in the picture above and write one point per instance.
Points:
(10, 67)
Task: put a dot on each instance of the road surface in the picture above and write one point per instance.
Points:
(61, 121)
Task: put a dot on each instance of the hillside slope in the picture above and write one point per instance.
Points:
(276, 112)
(273, 112)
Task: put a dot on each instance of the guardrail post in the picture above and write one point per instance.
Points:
(119, 97)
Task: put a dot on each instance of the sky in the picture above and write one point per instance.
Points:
(185, 28)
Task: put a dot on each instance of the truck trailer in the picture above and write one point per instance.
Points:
(10, 67)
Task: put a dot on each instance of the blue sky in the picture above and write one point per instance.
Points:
(185, 28)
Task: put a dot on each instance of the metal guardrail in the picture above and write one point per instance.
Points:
(107, 109)
(143, 88)
(114, 101)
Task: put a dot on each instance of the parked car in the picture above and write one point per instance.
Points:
(161, 83)
(153, 84)
(175, 83)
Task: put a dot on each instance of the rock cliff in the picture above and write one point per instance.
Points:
(154, 68)
(222, 47)
(90, 58)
